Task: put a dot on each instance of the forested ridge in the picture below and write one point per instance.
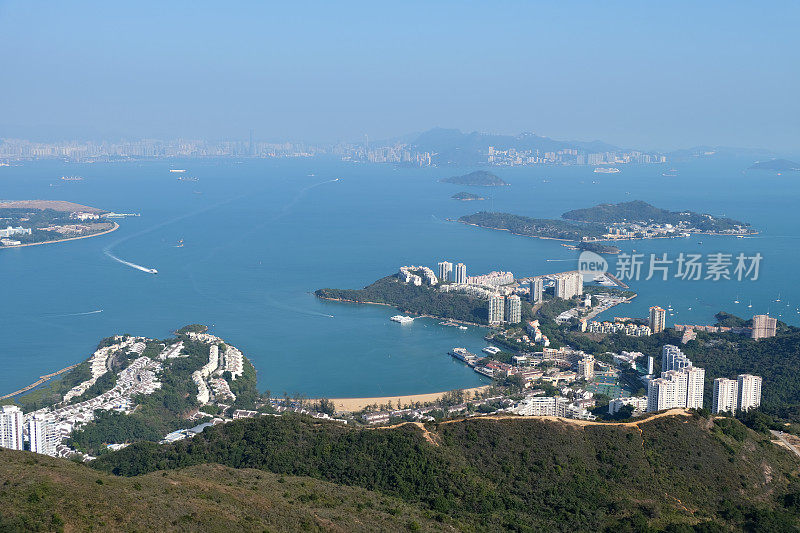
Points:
(521, 475)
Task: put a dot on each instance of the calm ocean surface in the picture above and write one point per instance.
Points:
(260, 236)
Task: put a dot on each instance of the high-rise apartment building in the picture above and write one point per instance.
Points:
(672, 358)
(660, 394)
(658, 318)
(725, 396)
(11, 427)
(748, 392)
(537, 290)
(445, 271)
(676, 388)
(496, 309)
(513, 309)
(695, 379)
(586, 367)
(568, 285)
(764, 326)
(43, 434)
(460, 273)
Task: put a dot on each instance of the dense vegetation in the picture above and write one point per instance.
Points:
(639, 211)
(410, 298)
(480, 178)
(775, 359)
(534, 227)
(466, 196)
(519, 474)
(598, 248)
(41, 493)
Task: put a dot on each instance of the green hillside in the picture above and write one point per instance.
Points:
(41, 493)
(520, 474)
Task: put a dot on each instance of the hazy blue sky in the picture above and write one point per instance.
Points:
(644, 74)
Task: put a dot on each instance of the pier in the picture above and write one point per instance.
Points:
(42, 379)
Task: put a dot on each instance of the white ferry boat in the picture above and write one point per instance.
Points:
(178, 170)
(402, 319)
(604, 170)
(462, 354)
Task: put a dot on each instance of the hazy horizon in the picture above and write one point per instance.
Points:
(645, 76)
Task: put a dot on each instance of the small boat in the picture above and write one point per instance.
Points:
(750, 304)
(180, 244)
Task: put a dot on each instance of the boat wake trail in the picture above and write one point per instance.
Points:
(108, 249)
(76, 314)
(272, 302)
(132, 265)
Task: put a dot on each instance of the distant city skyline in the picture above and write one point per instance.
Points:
(636, 75)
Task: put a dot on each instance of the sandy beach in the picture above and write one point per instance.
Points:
(357, 404)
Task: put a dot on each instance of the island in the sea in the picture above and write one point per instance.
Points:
(776, 165)
(30, 222)
(479, 178)
(611, 222)
(464, 196)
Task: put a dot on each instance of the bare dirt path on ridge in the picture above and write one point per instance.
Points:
(433, 438)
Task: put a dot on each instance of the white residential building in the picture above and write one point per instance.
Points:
(513, 309)
(460, 273)
(537, 289)
(10, 232)
(496, 309)
(658, 318)
(11, 427)
(492, 279)
(568, 285)
(672, 358)
(446, 271)
(725, 396)
(748, 392)
(695, 378)
(586, 368)
(43, 434)
(660, 394)
(676, 388)
(639, 404)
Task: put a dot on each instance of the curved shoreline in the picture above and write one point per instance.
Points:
(419, 315)
(357, 404)
(115, 228)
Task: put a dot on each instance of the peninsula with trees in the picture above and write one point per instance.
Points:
(612, 222)
(31, 222)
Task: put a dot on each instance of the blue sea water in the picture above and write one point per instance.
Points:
(261, 235)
